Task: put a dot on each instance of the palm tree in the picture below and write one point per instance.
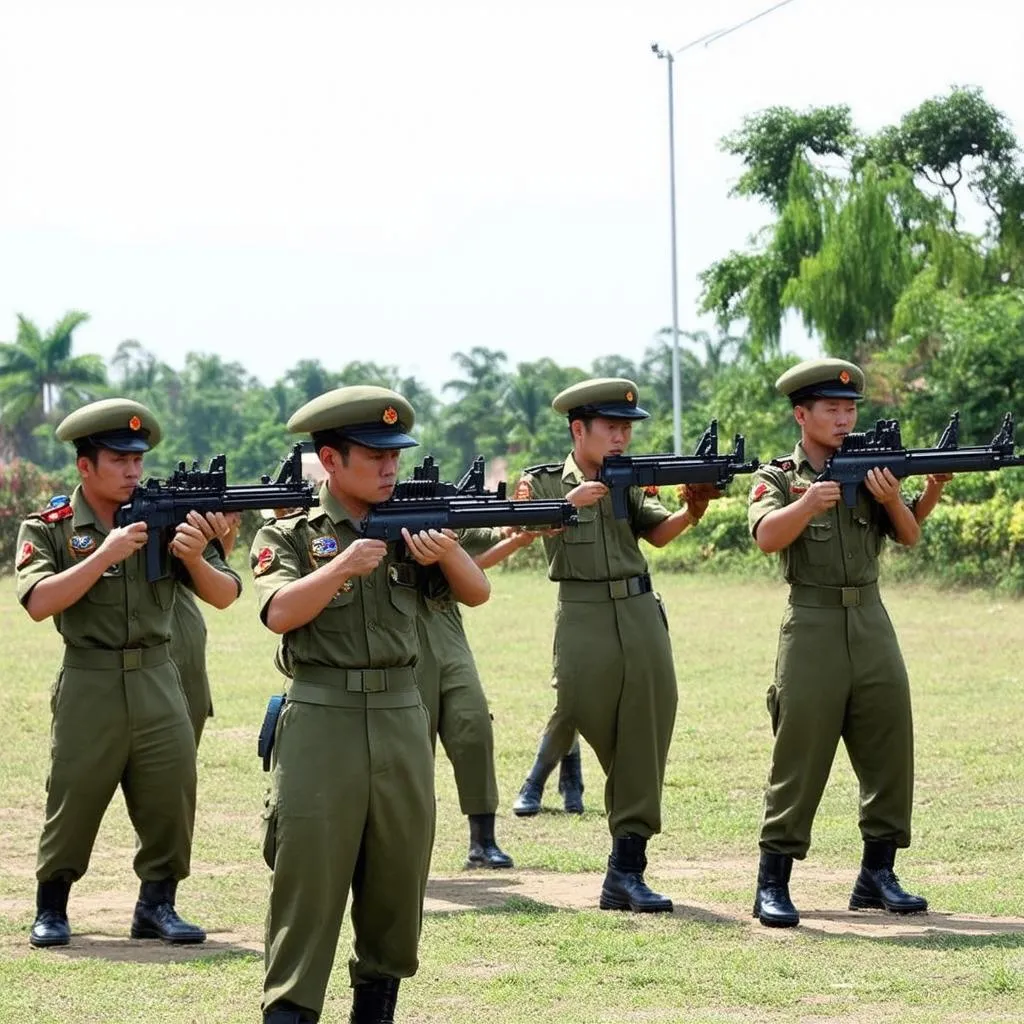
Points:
(39, 375)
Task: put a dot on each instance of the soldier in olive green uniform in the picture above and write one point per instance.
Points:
(352, 803)
(839, 672)
(612, 660)
(457, 705)
(188, 643)
(559, 745)
(119, 714)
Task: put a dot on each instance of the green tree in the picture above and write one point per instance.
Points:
(40, 378)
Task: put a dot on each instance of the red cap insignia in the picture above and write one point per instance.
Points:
(135, 423)
(844, 376)
(264, 560)
(390, 417)
(651, 491)
(630, 396)
(759, 491)
(25, 555)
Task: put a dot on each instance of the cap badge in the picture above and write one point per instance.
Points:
(135, 423)
(630, 396)
(390, 416)
(844, 376)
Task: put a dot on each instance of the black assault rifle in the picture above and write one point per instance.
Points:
(425, 503)
(705, 466)
(882, 448)
(163, 504)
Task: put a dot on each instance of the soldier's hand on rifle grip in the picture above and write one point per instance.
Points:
(587, 494)
(821, 496)
(882, 486)
(192, 536)
(430, 546)
(122, 542)
(360, 558)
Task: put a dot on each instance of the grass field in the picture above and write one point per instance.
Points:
(530, 945)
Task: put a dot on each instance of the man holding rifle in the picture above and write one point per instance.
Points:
(351, 807)
(839, 671)
(119, 714)
(613, 667)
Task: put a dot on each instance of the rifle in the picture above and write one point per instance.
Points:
(163, 504)
(705, 466)
(882, 448)
(425, 503)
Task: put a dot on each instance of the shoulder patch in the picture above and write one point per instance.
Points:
(759, 491)
(523, 491)
(547, 467)
(264, 560)
(25, 555)
(785, 463)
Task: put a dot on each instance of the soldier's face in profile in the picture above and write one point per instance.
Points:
(827, 420)
(368, 475)
(602, 436)
(113, 476)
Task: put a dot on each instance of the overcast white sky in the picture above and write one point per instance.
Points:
(398, 181)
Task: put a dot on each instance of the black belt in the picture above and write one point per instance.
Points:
(603, 590)
(834, 597)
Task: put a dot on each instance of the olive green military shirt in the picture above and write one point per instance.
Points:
(369, 623)
(121, 609)
(599, 547)
(839, 547)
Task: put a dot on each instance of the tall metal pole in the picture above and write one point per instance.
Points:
(668, 55)
(677, 401)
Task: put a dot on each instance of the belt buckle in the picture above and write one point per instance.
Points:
(375, 681)
(131, 659)
(618, 589)
(851, 597)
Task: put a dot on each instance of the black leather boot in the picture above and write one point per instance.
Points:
(624, 887)
(570, 780)
(374, 1002)
(527, 803)
(878, 888)
(288, 1013)
(156, 918)
(772, 905)
(484, 851)
(51, 927)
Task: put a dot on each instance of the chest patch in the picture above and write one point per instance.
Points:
(25, 555)
(797, 488)
(759, 491)
(264, 560)
(323, 547)
(80, 544)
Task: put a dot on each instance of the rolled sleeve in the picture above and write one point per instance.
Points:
(34, 558)
(275, 564)
(767, 493)
(648, 511)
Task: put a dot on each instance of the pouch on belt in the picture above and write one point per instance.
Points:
(269, 727)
